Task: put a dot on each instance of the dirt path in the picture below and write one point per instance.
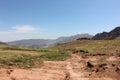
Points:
(52, 70)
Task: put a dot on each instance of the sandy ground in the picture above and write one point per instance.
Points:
(70, 69)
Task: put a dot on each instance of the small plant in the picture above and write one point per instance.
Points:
(43, 50)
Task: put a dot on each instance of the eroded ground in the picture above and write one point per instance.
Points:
(71, 69)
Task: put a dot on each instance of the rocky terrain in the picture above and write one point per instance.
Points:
(75, 68)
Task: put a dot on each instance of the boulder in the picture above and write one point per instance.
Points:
(91, 64)
(113, 64)
(118, 69)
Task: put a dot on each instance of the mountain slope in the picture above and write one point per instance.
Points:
(61, 40)
(92, 46)
(41, 43)
(34, 43)
(108, 35)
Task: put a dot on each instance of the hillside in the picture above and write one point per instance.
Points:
(28, 57)
(41, 43)
(75, 60)
(93, 46)
(108, 35)
(100, 58)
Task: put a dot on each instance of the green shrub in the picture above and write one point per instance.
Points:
(43, 50)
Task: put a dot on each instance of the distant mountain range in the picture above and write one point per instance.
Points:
(2, 43)
(42, 43)
(108, 35)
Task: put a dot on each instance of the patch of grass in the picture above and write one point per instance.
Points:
(55, 56)
(109, 47)
(17, 48)
(43, 50)
(21, 61)
(27, 59)
(21, 57)
(6, 54)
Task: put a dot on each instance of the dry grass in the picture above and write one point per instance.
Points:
(93, 46)
(21, 57)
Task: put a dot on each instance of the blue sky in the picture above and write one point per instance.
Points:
(25, 19)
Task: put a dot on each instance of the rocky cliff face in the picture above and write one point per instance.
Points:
(108, 35)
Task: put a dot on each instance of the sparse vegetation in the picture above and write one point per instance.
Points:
(20, 61)
(107, 47)
(21, 57)
(95, 53)
(55, 55)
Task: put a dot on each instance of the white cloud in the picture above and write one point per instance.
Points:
(24, 29)
(20, 32)
(6, 37)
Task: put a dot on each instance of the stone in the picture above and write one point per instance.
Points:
(91, 64)
(104, 66)
(113, 64)
(118, 69)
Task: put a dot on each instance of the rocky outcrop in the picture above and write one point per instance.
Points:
(108, 35)
(91, 64)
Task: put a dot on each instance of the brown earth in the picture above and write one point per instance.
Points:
(71, 69)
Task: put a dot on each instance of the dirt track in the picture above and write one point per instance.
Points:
(70, 69)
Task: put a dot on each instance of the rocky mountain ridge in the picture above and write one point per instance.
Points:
(108, 35)
(42, 43)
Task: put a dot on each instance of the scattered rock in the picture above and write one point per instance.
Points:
(80, 51)
(67, 76)
(99, 54)
(104, 66)
(91, 64)
(9, 71)
(84, 51)
(90, 74)
(113, 64)
(97, 70)
(11, 64)
(118, 69)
